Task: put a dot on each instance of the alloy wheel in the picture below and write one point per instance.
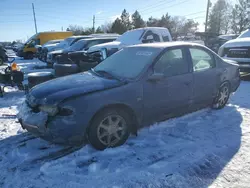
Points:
(223, 95)
(111, 130)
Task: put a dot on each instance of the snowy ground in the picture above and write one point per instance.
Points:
(205, 148)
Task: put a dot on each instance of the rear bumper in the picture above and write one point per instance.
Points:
(235, 84)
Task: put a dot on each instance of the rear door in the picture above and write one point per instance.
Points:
(205, 75)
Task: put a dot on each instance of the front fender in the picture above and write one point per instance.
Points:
(85, 107)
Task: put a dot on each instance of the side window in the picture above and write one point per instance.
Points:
(202, 60)
(165, 38)
(32, 44)
(151, 36)
(92, 43)
(172, 63)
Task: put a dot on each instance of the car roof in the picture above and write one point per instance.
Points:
(167, 44)
(100, 38)
(80, 36)
(144, 28)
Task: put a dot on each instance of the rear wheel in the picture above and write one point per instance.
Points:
(110, 128)
(222, 96)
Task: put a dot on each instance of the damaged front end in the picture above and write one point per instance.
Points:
(46, 121)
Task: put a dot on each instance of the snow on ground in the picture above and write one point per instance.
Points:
(205, 148)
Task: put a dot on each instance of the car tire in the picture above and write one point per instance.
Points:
(38, 78)
(85, 66)
(100, 133)
(1, 61)
(29, 55)
(222, 96)
(65, 69)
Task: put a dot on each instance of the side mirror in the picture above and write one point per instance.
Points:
(156, 77)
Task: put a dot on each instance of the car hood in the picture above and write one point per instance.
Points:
(239, 42)
(108, 45)
(57, 90)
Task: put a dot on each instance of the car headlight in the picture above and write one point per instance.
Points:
(51, 110)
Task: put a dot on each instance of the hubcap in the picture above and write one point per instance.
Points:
(223, 96)
(111, 130)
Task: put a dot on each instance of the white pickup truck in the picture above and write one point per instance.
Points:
(132, 37)
(238, 50)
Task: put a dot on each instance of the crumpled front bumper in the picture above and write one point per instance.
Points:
(35, 123)
(57, 129)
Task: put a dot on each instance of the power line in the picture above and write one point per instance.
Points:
(195, 13)
(182, 2)
(155, 5)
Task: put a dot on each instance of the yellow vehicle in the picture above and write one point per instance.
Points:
(28, 50)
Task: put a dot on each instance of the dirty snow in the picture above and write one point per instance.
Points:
(205, 148)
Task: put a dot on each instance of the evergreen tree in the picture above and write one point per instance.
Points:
(137, 21)
(125, 20)
(118, 27)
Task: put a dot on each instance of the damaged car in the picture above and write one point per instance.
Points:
(134, 87)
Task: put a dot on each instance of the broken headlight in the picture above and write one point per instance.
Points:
(51, 110)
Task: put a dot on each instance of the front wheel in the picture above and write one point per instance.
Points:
(110, 128)
(222, 96)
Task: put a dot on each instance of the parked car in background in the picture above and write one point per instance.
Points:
(136, 36)
(3, 55)
(79, 47)
(134, 87)
(16, 46)
(216, 42)
(39, 48)
(28, 50)
(67, 43)
(238, 50)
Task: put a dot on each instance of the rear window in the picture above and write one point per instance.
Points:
(245, 34)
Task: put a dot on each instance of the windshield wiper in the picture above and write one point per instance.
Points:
(103, 73)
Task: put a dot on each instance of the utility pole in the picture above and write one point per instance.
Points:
(208, 4)
(93, 23)
(34, 16)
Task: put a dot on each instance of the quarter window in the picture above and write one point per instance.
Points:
(201, 59)
(172, 63)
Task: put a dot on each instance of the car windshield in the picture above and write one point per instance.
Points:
(245, 34)
(131, 36)
(129, 62)
(31, 38)
(66, 42)
(79, 45)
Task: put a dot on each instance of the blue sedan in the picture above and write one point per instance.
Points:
(134, 87)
